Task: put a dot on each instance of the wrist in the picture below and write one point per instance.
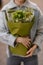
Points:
(15, 42)
(17, 39)
(35, 45)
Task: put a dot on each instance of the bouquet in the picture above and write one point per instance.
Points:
(20, 23)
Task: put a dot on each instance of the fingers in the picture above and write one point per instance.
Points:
(29, 40)
(26, 45)
(29, 55)
(29, 44)
(28, 51)
(31, 51)
(25, 41)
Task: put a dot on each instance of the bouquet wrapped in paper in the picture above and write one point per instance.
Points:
(20, 23)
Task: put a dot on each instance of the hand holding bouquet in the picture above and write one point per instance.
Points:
(20, 23)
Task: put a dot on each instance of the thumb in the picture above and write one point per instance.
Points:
(28, 51)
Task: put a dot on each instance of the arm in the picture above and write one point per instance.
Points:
(5, 37)
(39, 37)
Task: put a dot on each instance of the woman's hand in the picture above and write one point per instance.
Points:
(26, 41)
(31, 51)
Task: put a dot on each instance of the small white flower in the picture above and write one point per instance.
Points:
(16, 20)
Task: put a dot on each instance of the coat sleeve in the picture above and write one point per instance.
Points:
(39, 35)
(5, 37)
